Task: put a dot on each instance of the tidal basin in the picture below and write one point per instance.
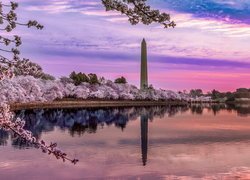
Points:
(168, 142)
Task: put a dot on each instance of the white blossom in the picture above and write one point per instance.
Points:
(29, 89)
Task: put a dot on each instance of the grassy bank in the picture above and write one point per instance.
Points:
(91, 103)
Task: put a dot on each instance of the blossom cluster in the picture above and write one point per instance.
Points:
(10, 52)
(29, 89)
(8, 122)
(16, 125)
(8, 66)
(138, 11)
(5, 73)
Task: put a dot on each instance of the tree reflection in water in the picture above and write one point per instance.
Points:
(81, 121)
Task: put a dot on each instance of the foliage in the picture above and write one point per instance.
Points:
(138, 11)
(242, 95)
(231, 96)
(121, 80)
(216, 94)
(79, 78)
(93, 79)
(196, 93)
(242, 90)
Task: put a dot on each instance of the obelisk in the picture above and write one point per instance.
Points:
(144, 66)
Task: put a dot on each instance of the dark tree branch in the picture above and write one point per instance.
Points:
(138, 11)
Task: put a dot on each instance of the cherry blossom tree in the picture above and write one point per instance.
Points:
(9, 123)
(11, 62)
(27, 68)
(138, 11)
(25, 89)
(9, 44)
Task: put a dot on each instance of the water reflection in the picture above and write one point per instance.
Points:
(241, 109)
(81, 121)
(144, 139)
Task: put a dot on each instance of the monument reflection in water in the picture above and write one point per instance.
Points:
(144, 138)
(197, 142)
(81, 121)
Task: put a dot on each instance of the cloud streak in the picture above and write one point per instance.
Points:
(212, 37)
(233, 11)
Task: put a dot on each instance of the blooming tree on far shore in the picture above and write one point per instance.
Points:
(25, 89)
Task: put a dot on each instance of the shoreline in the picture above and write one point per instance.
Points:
(67, 104)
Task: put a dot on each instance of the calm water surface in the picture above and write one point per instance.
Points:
(210, 142)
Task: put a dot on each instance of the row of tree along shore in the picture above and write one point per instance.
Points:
(35, 87)
(31, 87)
(241, 95)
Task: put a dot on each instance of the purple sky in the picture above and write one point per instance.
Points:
(208, 49)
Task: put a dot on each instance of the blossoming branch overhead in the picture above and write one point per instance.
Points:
(208, 49)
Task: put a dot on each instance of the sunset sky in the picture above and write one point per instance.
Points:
(209, 48)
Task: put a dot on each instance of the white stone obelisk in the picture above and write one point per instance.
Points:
(144, 65)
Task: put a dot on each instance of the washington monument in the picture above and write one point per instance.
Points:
(144, 66)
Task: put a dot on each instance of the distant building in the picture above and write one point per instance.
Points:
(144, 65)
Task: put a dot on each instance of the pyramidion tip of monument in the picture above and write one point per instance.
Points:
(143, 40)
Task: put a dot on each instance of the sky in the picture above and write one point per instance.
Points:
(209, 48)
